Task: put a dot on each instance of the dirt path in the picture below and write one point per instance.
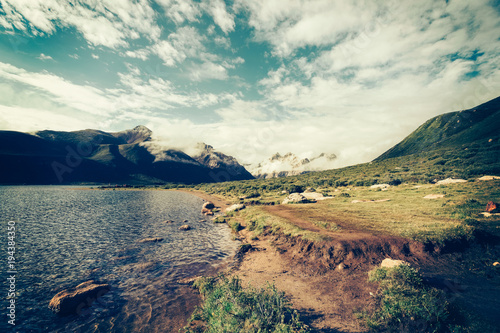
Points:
(324, 301)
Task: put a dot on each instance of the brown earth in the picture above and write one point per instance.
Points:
(327, 281)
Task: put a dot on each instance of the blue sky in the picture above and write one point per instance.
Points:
(250, 77)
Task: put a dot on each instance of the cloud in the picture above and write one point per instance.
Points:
(181, 10)
(208, 71)
(107, 23)
(217, 9)
(95, 56)
(44, 57)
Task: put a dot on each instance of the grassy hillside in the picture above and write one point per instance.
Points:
(476, 128)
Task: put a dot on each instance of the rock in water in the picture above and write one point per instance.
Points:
(184, 227)
(73, 300)
(492, 207)
(151, 240)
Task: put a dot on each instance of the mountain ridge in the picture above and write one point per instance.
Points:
(94, 156)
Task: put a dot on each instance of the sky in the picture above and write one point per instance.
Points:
(249, 77)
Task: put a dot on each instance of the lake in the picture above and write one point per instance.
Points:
(68, 235)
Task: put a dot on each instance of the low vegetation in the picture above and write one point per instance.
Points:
(229, 308)
(404, 303)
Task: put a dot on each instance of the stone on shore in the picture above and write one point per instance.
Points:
(185, 227)
(208, 205)
(390, 263)
(151, 240)
(235, 208)
(206, 211)
(73, 300)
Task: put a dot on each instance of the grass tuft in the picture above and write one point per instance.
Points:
(229, 308)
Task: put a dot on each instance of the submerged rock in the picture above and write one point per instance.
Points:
(151, 240)
(73, 300)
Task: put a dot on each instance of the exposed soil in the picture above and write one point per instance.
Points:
(327, 281)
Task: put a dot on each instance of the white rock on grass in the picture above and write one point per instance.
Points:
(390, 263)
(488, 178)
(314, 196)
(383, 187)
(295, 198)
(235, 208)
(434, 196)
(450, 181)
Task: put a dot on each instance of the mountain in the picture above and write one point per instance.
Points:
(223, 165)
(92, 156)
(474, 130)
(290, 165)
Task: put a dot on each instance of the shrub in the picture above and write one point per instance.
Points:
(227, 307)
(405, 303)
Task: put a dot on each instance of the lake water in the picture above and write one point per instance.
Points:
(66, 236)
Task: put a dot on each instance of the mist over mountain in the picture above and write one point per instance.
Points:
(290, 164)
(92, 156)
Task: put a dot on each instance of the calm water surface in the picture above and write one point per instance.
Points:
(66, 236)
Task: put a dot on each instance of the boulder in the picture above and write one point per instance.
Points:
(208, 205)
(492, 207)
(151, 240)
(295, 198)
(168, 221)
(383, 187)
(434, 196)
(73, 300)
(185, 227)
(235, 208)
(390, 263)
(489, 178)
(206, 211)
(450, 181)
(315, 196)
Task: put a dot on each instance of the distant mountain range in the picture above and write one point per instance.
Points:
(472, 133)
(92, 156)
(290, 165)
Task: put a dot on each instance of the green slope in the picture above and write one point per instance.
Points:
(478, 127)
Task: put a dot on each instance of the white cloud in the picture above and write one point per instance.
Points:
(208, 71)
(217, 9)
(95, 56)
(44, 57)
(181, 10)
(74, 56)
(108, 23)
(185, 42)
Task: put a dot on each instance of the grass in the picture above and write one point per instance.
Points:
(257, 220)
(407, 214)
(228, 307)
(405, 304)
